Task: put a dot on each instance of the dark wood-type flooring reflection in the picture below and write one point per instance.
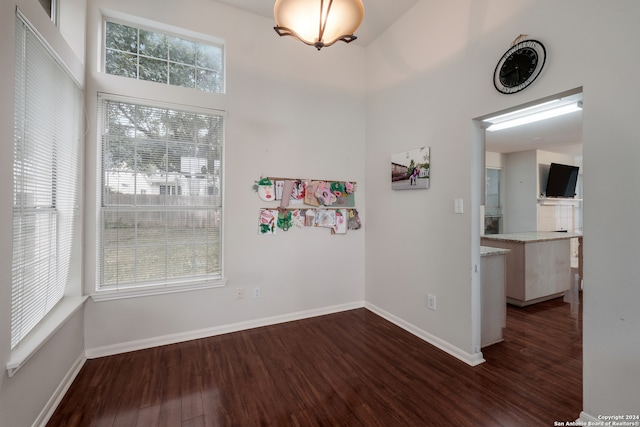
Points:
(347, 369)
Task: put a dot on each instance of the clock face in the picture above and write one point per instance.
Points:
(519, 66)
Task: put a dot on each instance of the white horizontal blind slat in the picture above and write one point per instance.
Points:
(47, 133)
(161, 196)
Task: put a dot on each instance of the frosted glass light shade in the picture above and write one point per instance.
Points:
(318, 23)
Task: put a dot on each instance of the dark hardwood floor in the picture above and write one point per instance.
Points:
(347, 369)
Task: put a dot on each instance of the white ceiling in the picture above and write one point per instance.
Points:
(562, 134)
(559, 135)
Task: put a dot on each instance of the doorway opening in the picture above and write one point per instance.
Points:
(520, 205)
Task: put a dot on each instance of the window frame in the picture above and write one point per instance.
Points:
(103, 293)
(490, 217)
(51, 8)
(167, 30)
(62, 203)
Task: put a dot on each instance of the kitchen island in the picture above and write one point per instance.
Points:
(538, 264)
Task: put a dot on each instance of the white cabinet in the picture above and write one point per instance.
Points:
(493, 295)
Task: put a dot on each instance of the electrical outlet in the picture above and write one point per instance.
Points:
(431, 302)
(239, 293)
(257, 292)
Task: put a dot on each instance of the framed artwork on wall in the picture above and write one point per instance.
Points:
(410, 170)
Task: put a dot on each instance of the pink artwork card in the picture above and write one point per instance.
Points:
(340, 226)
(267, 221)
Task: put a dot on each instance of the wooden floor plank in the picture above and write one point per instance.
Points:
(346, 369)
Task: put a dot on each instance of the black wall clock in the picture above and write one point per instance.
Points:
(519, 66)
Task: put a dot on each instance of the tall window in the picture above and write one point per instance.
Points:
(493, 204)
(46, 177)
(164, 58)
(160, 222)
(51, 7)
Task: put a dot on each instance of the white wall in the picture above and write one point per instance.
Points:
(612, 241)
(27, 394)
(292, 112)
(523, 182)
(494, 160)
(429, 75)
(521, 191)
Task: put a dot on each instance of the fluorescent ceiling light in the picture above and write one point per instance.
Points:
(531, 115)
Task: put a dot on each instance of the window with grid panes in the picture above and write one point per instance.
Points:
(151, 55)
(160, 220)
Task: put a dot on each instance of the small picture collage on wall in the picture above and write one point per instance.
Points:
(307, 203)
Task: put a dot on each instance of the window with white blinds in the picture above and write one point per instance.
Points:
(46, 177)
(161, 196)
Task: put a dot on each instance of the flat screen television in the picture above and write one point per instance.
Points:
(562, 180)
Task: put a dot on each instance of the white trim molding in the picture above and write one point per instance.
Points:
(472, 359)
(92, 353)
(61, 390)
(45, 330)
(136, 292)
(586, 419)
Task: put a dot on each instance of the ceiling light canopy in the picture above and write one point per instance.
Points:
(318, 23)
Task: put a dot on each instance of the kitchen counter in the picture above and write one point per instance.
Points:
(538, 264)
(532, 236)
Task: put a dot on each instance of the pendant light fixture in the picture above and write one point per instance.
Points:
(318, 23)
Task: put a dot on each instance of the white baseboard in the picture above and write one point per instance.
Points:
(142, 344)
(471, 359)
(61, 390)
(585, 419)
